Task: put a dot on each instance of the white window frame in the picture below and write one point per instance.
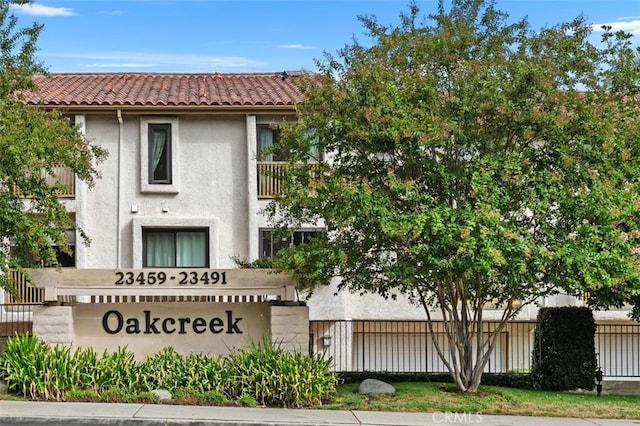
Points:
(163, 188)
(174, 234)
(175, 223)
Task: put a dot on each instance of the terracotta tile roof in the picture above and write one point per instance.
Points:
(166, 89)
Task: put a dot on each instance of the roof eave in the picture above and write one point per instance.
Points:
(175, 109)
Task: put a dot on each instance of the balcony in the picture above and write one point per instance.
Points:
(64, 176)
(270, 175)
(23, 292)
(61, 175)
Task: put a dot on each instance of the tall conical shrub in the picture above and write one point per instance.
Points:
(564, 355)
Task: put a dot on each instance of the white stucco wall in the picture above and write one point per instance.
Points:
(212, 186)
(216, 187)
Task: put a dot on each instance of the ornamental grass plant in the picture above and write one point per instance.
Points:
(281, 379)
(265, 374)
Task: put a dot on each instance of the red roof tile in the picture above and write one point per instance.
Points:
(166, 89)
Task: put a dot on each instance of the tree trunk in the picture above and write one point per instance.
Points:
(466, 361)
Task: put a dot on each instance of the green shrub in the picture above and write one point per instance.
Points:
(41, 371)
(172, 371)
(263, 263)
(114, 395)
(193, 397)
(164, 370)
(564, 356)
(510, 380)
(19, 363)
(261, 375)
(392, 377)
(275, 377)
(82, 395)
(207, 374)
(118, 370)
(144, 398)
(38, 371)
(247, 401)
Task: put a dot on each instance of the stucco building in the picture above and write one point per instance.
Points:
(184, 185)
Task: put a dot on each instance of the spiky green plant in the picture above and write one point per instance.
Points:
(275, 377)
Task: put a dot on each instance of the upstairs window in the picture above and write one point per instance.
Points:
(65, 259)
(160, 153)
(270, 245)
(175, 248)
(268, 140)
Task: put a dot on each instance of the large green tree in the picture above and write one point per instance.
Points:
(33, 142)
(470, 161)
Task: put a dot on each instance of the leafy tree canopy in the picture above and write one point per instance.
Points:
(470, 160)
(33, 141)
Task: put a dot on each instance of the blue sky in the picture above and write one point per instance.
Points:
(246, 36)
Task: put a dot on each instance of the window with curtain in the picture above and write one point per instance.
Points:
(268, 138)
(160, 153)
(175, 248)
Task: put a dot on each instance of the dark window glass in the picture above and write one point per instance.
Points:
(68, 259)
(268, 138)
(268, 141)
(270, 245)
(160, 153)
(65, 259)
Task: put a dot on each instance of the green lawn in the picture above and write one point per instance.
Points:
(442, 397)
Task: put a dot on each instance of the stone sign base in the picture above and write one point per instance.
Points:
(188, 327)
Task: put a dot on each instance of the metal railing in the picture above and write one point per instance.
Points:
(618, 349)
(15, 319)
(407, 346)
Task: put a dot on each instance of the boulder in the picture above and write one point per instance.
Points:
(375, 386)
(163, 395)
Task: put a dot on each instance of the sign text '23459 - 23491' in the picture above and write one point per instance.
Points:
(193, 277)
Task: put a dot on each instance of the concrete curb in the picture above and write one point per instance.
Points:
(19, 413)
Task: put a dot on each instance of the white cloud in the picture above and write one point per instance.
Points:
(41, 10)
(112, 12)
(121, 65)
(147, 60)
(632, 26)
(295, 46)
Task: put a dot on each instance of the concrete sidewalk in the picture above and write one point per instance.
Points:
(80, 413)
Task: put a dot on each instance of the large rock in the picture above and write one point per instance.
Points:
(375, 386)
(163, 395)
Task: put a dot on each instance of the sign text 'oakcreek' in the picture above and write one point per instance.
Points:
(114, 322)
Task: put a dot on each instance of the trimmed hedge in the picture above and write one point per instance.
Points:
(564, 356)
